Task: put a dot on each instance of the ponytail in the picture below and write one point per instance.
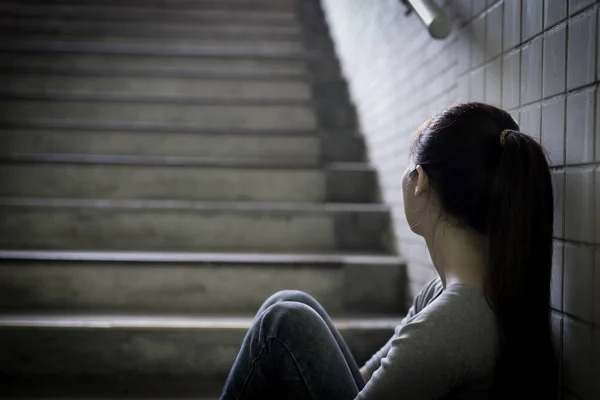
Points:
(497, 183)
(519, 259)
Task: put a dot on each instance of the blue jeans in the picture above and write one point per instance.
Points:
(293, 352)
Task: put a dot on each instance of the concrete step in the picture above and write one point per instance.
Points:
(61, 27)
(196, 282)
(163, 88)
(139, 65)
(306, 147)
(301, 148)
(218, 115)
(94, 389)
(124, 12)
(192, 226)
(121, 348)
(195, 46)
(259, 5)
(178, 178)
(164, 48)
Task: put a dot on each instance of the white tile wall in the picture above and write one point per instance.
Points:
(596, 359)
(493, 82)
(545, 75)
(557, 335)
(553, 131)
(512, 24)
(557, 276)
(577, 358)
(531, 72)
(477, 34)
(555, 46)
(597, 209)
(578, 281)
(581, 50)
(531, 120)
(577, 5)
(579, 205)
(596, 294)
(493, 25)
(477, 6)
(558, 178)
(580, 128)
(597, 157)
(511, 76)
(533, 14)
(476, 85)
(555, 12)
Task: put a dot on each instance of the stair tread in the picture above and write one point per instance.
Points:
(137, 160)
(52, 124)
(150, 98)
(129, 12)
(218, 4)
(202, 257)
(58, 27)
(140, 66)
(158, 73)
(216, 43)
(150, 48)
(198, 322)
(196, 205)
(214, 37)
(130, 88)
(59, 223)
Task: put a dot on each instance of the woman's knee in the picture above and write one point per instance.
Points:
(297, 296)
(292, 315)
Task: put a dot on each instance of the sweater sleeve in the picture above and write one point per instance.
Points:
(452, 341)
(375, 361)
(418, 366)
(424, 297)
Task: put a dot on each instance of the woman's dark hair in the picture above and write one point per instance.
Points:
(501, 189)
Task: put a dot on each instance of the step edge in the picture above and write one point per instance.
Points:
(135, 322)
(183, 161)
(169, 2)
(112, 126)
(150, 50)
(56, 96)
(277, 17)
(200, 4)
(133, 29)
(198, 205)
(202, 257)
(165, 74)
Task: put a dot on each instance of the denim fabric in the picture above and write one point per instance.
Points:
(293, 351)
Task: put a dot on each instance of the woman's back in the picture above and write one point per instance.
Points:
(447, 344)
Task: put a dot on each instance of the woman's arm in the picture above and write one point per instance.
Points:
(366, 374)
(429, 292)
(375, 361)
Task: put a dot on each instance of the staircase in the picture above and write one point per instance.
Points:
(165, 166)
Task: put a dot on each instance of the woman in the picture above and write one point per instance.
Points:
(480, 194)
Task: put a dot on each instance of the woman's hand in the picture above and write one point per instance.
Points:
(366, 374)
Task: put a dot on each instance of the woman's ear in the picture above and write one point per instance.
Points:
(422, 181)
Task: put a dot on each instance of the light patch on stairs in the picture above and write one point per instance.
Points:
(217, 116)
(172, 322)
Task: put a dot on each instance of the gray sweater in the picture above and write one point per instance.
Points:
(444, 348)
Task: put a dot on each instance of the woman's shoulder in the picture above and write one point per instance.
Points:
(458, 312)
(462, 314)
(428, 293)
(458, 325)
(459, 307)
